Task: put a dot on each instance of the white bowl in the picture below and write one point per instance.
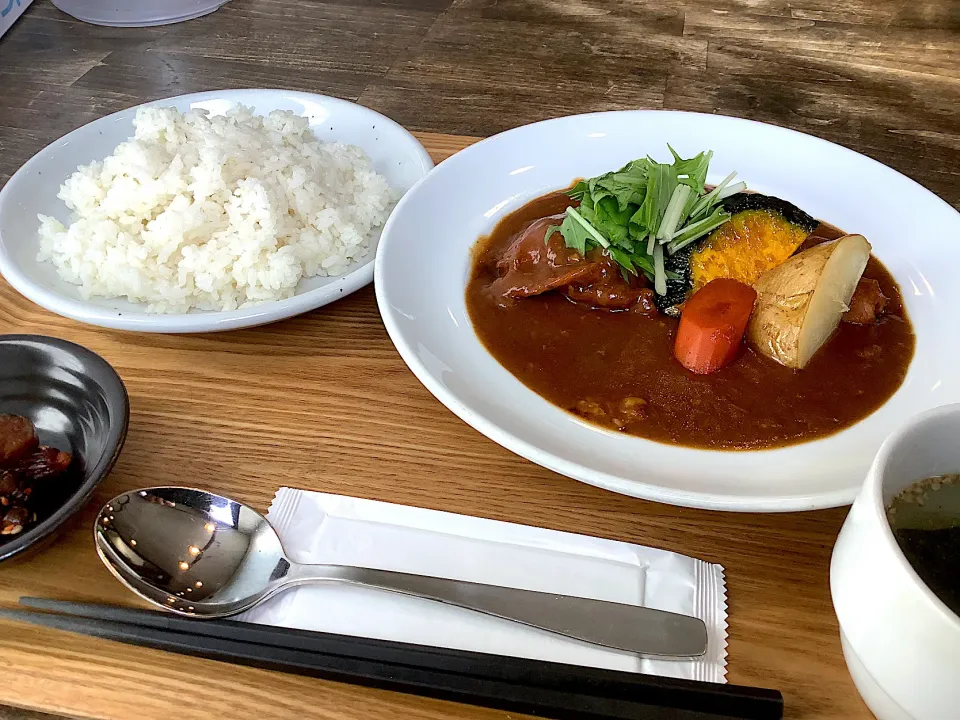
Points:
(33, 189)
(901, 643)
(144, 13)
(424, 260)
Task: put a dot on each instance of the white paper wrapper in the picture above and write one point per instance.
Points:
(322, 528)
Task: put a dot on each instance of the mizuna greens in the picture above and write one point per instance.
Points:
(646, 211)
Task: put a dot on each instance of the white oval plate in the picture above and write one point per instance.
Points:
(33, 189)
(424, 260)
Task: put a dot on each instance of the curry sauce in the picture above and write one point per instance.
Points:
(593, 362)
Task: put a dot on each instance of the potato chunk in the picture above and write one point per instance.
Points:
(800, 302)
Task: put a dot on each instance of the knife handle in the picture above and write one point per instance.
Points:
(615, 625)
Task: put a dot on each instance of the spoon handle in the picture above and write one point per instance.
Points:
(614, 625)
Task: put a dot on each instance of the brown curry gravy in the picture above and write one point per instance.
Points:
(568, 353)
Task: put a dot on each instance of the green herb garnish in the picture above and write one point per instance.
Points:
(645, 211)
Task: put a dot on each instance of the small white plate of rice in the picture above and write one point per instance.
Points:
(206, 212)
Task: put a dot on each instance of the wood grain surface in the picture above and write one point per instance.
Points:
(324, 402)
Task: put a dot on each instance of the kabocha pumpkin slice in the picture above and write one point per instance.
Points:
(763, 231)
(800, 303)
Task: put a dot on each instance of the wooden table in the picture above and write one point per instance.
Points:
(324, 401)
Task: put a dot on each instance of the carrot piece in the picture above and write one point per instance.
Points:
(712, 325)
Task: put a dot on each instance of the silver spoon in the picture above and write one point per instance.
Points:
(206, 556)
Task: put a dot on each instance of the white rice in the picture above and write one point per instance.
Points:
(215, 213)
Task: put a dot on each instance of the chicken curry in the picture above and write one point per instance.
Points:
(613, 346)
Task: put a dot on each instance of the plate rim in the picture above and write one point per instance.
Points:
(208, 320)
(580, 471)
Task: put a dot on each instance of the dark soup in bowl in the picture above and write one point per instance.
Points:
(925, 519)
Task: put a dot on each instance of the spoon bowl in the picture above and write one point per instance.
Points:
(190, 551)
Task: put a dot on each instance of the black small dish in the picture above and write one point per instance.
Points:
(79, 404)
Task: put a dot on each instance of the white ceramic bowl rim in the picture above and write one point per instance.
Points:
(874, 491)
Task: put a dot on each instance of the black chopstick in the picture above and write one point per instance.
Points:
(431, 683)
(530, 686)
(728, 699)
